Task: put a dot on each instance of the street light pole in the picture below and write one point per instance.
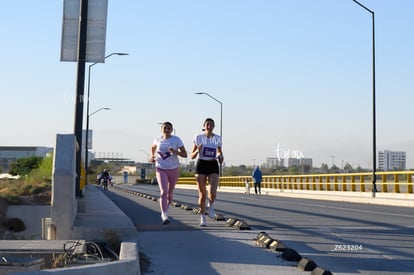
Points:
(88, 115)
(100, 109)
(374, 138)
(80, 88)
(87, 137)
(221, 120)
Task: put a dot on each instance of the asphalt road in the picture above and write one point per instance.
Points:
(345, 238)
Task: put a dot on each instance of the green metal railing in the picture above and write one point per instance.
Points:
(393, 182)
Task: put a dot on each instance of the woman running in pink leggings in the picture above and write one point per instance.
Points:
(164, 152)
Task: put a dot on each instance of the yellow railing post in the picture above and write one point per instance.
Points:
(328, 183)
(336, 183)
(313, 182)
(343, 183)
(384, 187)
(320, 182)
(362, 183)
(396, 184)
(409, 183)
(353, 183)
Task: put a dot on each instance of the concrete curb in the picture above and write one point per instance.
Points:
(303, 264)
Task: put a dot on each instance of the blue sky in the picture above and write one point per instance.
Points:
(294, 75)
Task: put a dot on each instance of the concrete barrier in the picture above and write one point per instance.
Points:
(90, 217)
(64, 205)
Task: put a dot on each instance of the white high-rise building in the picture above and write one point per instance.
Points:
(277, 162)
(299, 162)
(272, 162)
(391, 160)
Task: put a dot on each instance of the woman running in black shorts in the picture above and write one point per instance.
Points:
(207, 146)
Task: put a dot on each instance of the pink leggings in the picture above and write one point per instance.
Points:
(167, 178)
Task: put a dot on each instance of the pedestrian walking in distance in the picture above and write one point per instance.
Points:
(257, 180)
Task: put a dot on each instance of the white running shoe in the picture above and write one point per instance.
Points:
(203, 220)
(164, 218)
(211, 212)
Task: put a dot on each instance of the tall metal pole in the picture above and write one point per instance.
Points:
(80, 88)
(221, 120)
(87, 124)
(88, 115)
(374, 138)
(87, 138)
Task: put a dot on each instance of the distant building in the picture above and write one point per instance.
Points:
(8, 154)
(391, 160)
(299, 162)
(280, 162)
(274, 162)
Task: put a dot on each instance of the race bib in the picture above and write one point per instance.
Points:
(209, 152)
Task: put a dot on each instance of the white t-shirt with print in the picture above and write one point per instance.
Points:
(210, 145)
(164, 159)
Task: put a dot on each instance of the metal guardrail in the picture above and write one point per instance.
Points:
(387, 182)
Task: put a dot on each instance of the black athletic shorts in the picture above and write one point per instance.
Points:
(207, 167)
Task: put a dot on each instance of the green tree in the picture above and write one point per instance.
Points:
(240, 170)
(293, 170)
(24, 166)
(306, 168)
(44, 172)
(348, 168)
(324, 167)
(359, 169)
(334, 169)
